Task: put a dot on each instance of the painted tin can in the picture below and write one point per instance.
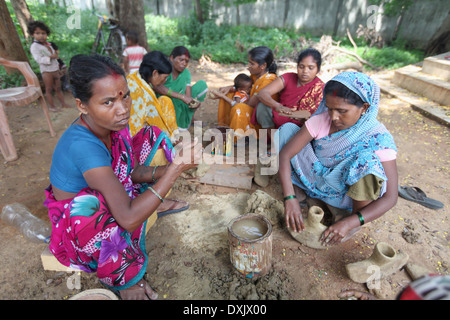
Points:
(250, 242)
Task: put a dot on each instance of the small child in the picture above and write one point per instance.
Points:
(47, 58)
(133, 53)
(242, 87)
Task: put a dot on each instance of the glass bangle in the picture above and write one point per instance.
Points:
(290, 197)
(361, 218)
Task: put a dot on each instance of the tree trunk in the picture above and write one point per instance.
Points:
(23, 16)
(286, 11)
(198, 10)
(238, 16)
(399, 23)
(132, 17)
(10, 45)
(440, 41)
(337, 19)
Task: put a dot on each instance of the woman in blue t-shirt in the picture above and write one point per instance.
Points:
(102, 190)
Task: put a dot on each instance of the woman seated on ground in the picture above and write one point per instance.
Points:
(262, 68)
(147, 109)
(99, 200)
(342, 156)
(298, 91)
(186, 97)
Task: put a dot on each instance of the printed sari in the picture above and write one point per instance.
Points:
(305, 97)
(183, 112)
(239, 116)
(86, 236)
(327, 167)
(149, 110)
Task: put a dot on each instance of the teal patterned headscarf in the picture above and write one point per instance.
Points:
(327, 167)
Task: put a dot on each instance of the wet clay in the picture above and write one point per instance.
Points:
(249, 229)
(310, 237)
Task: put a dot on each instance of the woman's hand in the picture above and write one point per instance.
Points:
(293, 215)
(285, 110)
(188, 155)
(336, 232)
(186, 99)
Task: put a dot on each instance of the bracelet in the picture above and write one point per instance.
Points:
(153, 174)
(156, 193)
(169, 93)
(290, 197)
(361, 218)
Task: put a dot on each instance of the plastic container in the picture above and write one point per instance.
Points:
(30, 226)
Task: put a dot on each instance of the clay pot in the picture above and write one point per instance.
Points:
(310, 237)
(383, 262)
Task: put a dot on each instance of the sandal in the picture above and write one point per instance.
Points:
(170, 211)
(415, 194)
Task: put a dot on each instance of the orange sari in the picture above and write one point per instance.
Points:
(238, 117)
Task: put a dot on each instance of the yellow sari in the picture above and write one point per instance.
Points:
(148, 110)
(238, 117)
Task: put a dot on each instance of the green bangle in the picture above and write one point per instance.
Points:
(290, 197)
(361, 218)
(156, 193)
(153, 174)
(169, 93)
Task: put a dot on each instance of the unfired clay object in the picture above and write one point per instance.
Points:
(310, 237)
(383, 262)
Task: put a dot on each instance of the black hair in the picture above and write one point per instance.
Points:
(241, 78)
(338, 89)
(33, 25)
(84, 70)
(263, 55)
(133, 36)
(154, 60)
(313, 53)
(179, 51)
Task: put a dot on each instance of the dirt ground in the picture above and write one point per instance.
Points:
(188, 251)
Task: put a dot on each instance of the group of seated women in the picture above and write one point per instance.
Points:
(113, 168)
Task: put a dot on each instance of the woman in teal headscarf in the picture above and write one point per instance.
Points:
(185, 96)
(342, 156)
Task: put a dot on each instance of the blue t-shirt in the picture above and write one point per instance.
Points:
(77, 151)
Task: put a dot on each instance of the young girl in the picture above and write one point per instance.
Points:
(99, 200)
(47, 58)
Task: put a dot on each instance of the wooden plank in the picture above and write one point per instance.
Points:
(229, 175)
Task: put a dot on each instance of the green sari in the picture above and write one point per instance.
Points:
(183, 112)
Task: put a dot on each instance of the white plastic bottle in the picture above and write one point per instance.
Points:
(30, 226)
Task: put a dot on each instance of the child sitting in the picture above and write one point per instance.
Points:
(242, 86)
(133, 53)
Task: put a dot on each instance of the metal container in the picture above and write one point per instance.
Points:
(250, 241)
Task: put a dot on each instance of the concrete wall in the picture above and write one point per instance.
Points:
(317, 17)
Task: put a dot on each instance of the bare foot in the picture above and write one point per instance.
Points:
(54, 109)
(140, 291)
(65, 105)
